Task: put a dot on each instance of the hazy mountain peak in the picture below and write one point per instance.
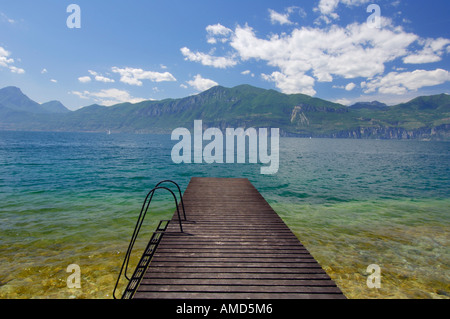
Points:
(13, 98)
(374, 105)
(55, 107)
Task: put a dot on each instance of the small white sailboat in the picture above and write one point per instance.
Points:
(109, 132)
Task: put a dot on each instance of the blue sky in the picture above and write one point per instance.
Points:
(136, 50)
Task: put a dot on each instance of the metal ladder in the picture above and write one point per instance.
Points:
(144, 262)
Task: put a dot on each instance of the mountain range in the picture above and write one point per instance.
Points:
(297, 115)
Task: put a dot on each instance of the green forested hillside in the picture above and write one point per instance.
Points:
(241, 106)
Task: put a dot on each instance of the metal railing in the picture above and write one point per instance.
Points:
(179, 192)
(157, 234)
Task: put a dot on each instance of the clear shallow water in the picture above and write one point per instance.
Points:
(74, 198)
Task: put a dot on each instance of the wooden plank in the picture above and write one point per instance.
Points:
(232, 270)
(223, 295)
(237, 282)
(231, 254)
(227, 288)
(238, 276)
(234, 246)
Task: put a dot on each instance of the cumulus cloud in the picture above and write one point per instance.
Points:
(218, 32)
(350, 86)
(349, 52)
(343, 101)
(108, 97)
(17, 70)
(311, 54)
(280, 18)
(248, 72)
(218, 29)
(401, 83)
(208, 60)
(290, 84)
(100, 78)
(201, 84)
(4, 58)
(134, 76)
(432, 51)
(104, 79)
(84, 79)
(7, 62)
(328, 7)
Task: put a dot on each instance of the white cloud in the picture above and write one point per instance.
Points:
(350, 86)
(343, 101)
(44, 70)
(4, 60)
(133, 76)
(307, 55)
(349, 52)
(290, 84)
(248, 72)
(100, 78)
(218, 32)
(201, 84)
(280, 18)
(53, 80)
(401, 83)
(6, 18)
(328, 7)
(7, 62)
(208, 60)
(108, 97)
(82, 95)
(84, 79)
(16, 70)
(218, 29)
(184, 86)
(422, 57)
(432, 51)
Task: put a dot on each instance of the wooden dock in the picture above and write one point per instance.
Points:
(234, 246)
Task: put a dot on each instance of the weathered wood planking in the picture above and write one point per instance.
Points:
(234, 246)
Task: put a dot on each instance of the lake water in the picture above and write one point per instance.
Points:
(73, 198)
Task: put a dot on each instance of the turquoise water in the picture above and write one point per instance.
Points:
(73, 198)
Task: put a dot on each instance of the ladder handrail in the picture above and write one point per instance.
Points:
(133, 240)
(151, 197)
(179, 192)
(137, 228)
